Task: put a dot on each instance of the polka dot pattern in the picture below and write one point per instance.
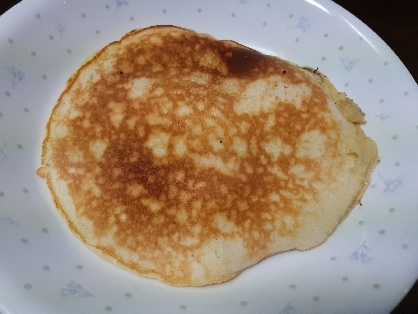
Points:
(65, 37)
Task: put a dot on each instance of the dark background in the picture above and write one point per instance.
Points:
(396, 22)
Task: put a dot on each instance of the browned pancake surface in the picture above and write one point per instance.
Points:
(189, 159)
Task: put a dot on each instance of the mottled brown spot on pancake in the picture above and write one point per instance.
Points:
(176, 160)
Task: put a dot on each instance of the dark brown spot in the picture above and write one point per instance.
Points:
(244, 62)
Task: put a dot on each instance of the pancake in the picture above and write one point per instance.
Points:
(188, 159)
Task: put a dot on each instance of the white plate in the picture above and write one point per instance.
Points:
(366, 266)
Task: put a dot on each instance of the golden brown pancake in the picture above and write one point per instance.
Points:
(188, 159)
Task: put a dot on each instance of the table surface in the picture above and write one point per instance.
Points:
(395, 22)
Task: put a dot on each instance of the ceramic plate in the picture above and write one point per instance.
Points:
(366, 266)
